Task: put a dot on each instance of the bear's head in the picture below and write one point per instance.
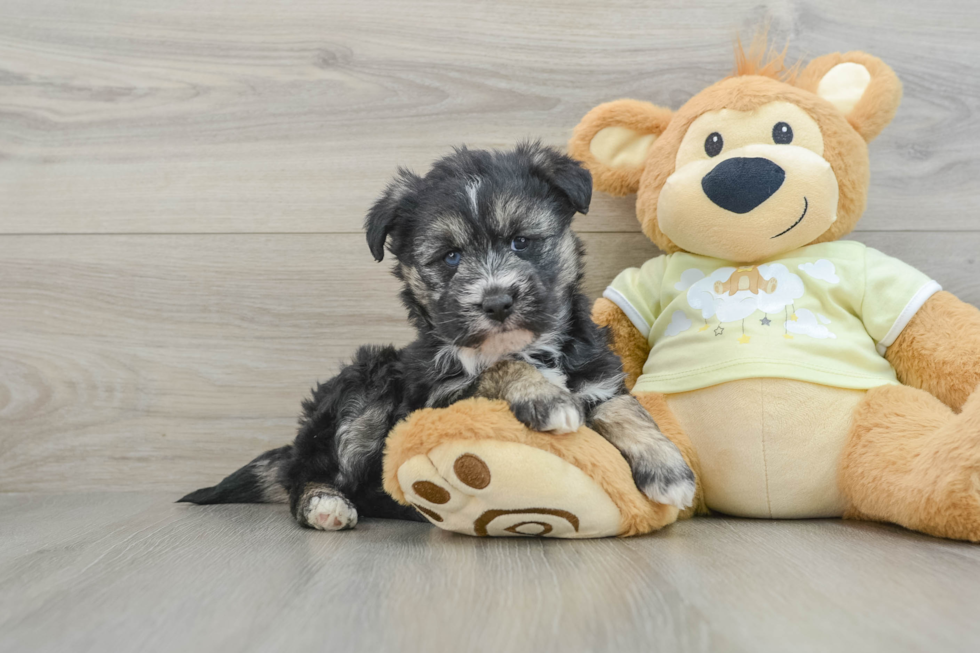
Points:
(760, 163)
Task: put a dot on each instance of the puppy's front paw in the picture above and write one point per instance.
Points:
(555, 414)
(565, 418)
(662, 474)
(327, 510)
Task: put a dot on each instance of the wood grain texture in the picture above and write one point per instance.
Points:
(165, 361)
(288, 116)
(128, 572)
(195, 175)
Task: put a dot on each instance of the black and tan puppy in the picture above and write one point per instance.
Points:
(491, 272)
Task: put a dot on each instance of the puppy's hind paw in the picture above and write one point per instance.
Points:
(670, 482)
(678, 493)
(327, 510)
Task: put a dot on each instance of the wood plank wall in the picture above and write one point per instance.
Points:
(182, 185)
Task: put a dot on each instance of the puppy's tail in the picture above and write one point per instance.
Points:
(256, 482)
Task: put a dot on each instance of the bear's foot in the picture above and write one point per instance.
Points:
(473, 468)
(913, 461)
(506, 489)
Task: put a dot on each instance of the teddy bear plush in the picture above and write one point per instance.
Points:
(799, 374)
(805, 376)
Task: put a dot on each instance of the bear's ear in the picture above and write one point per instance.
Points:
(613, 141)
(860, 86)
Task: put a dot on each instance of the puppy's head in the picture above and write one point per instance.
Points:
(483, 243)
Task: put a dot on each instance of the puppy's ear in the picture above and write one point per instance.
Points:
(384, 214)
(564, 173)
(860, 86)
(613, 141)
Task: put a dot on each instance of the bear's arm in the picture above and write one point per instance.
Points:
(939, 350)
(627, 341)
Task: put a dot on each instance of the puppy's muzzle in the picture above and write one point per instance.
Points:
(498, 306)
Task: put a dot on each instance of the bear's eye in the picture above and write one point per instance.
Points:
(782, 133)
(713, 144)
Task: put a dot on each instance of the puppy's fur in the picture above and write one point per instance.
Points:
(504, 319)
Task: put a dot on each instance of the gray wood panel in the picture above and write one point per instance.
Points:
(165, 361)
(195, 177)
(274, 115)
(133, 572)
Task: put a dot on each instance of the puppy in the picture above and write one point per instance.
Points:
(491, 274)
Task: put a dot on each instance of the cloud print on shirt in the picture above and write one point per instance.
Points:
(823, 270)
(731, 308)
(679, 322)
(688, 279)
(806, 324)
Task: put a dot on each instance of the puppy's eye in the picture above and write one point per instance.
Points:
(713, 144)
(782, 133)
(453, 258)
(520, 244)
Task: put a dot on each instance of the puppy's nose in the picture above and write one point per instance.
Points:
(741, 184)
(498, 306)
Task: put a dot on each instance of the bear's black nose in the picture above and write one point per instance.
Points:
(741, 184)
(498, 306)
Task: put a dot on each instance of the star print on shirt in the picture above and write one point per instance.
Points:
(720, 330)
(765, 321)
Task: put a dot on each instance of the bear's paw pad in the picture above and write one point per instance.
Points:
(497, 488)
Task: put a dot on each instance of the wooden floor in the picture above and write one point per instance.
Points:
(127, 572)
(182, 185)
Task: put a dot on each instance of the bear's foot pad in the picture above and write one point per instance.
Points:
(495, 488)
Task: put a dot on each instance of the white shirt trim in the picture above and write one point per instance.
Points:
(619, 300)
(918, 299)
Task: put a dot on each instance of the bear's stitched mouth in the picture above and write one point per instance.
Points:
(806, 205)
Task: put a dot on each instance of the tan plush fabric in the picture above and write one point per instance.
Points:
(911, 460)
(640, 118)
(939, 350)
(844, 149)
(845, 136)
(769, 447)
(878, 103)
(686, 213)
(621, 147)
(579, 473)
(529, 492)
(628, 342)
(844, 85)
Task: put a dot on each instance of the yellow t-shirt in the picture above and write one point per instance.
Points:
(824, 314)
